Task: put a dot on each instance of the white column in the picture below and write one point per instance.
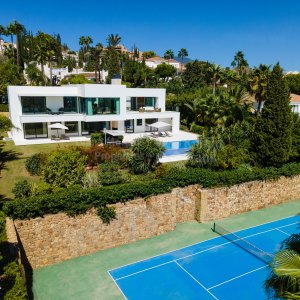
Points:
(175, 122)
(79, 129)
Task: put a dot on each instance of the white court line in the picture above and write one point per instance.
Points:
(144, 270)
(282, 231)
(202, 242)
(199, 252)
(234, 278)
(196, 280)
(117, 285)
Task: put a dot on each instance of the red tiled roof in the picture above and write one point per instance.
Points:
(156, 58)
(295, 98)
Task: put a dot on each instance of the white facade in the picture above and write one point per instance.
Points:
(86, 108)
(156, 61)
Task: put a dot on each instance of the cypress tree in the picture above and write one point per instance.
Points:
(273, 134)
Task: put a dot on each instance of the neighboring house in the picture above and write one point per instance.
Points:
(4, 45)
(86, 108)
(153, 62)
(295, 103)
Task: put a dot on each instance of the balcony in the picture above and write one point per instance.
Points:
(149, 109)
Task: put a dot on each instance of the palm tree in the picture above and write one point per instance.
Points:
(113, 40)
(95, 53)
(11, 31)
(215, 72)
(15, 29)
(284, 278)
(230, 77)
(182, 53)
(258, 83)
(240, 63)
(169, 54)
(85, 42)
(2, 32)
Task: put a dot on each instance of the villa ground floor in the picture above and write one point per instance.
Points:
(39, 132)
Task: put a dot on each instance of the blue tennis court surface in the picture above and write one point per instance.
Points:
(213, 269)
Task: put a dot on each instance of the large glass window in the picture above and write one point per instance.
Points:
(73, 128)
(150, 101)
(35, 130)
(139, 102)
(70, 105)
(100, 106)
(91, 127)
(33, 105)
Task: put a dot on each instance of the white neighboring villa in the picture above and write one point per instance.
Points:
(84, 109)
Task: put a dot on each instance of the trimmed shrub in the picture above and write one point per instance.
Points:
(106, 214)
(34, 163)
(197, 129)
(109, 174)
(65, 168)
(97, 138)
(42, 188)
(76, 200)
(90, 180)
(99, 154)
(22, 189)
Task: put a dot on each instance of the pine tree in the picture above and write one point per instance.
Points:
(273, 134)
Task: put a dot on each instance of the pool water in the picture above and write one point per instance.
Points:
(178, 148)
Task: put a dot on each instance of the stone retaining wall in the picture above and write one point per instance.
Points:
(55, 238)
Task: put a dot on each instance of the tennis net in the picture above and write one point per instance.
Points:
(244, 244)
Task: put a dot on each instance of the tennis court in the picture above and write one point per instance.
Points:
(224, 267)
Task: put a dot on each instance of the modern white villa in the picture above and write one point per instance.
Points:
(84, 109)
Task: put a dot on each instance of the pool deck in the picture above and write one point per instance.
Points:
(128, 138)
(86, 277)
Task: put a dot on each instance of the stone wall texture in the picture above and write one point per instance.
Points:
(55, 238)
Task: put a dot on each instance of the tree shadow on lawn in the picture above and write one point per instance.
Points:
(6, 156)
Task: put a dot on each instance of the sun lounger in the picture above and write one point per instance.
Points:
(64, 137)
(169, 133)
(163, 134)
(155, 134)
(54, 137)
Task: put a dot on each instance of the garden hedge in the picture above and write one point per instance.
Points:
(77, 200)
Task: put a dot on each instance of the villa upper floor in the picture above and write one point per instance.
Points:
(84, 99)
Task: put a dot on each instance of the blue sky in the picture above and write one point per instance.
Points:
(267, 31)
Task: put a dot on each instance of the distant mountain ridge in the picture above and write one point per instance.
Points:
(185, 60)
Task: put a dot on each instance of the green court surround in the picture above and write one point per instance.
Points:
(86, 277)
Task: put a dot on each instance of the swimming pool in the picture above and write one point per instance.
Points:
(178, 148)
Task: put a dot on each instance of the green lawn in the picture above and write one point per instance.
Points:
(86, 277)
(15, 170)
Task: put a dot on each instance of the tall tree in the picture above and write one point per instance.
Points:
(258, 80)
(111, 60)
(85, 42)
(215, 73)
(2, 32)
(45, 48)
(240, 63)
(273, 129)
(113, 40)
(182, 54)
(16, 28)
(169, 54)
(149, 54)
(9, 75)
